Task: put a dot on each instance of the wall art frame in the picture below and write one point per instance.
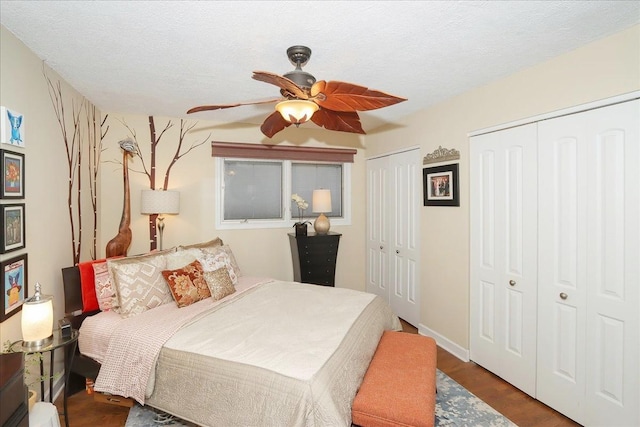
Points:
(12, 179)
(14, 286)
(441, 186)
(12, 127)
(12, 224)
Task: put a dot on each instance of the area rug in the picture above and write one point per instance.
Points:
(455, 407)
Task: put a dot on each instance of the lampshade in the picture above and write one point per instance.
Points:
(297, 111)
(321, 201)
(37, 319)
(160, 202)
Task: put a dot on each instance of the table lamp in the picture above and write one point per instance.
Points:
(321, 201)
(160, 202)
(37, 320)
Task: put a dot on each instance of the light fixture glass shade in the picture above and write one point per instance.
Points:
(321, 201)
(37, 319)
(160, 202)
(297, 111)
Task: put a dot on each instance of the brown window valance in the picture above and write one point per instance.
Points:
(281, 152)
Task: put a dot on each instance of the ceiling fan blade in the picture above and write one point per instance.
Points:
(274, 124)
(282, 82)
(343, 121)
(342, 96)
(237, 104)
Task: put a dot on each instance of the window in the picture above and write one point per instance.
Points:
(307, 177)
(257, 193)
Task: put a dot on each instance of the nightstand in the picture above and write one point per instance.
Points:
(314, 258)
(67, 343)
(14, 408)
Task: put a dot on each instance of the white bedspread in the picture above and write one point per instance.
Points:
(135, 342)
(275, 354)
(283, 327)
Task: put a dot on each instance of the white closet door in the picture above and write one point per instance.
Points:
(394, 197)
(588, 357)
(503, 254)
(404, 200)
(377, 231)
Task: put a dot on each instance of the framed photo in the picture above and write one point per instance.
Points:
(14, 286)
(11, 127)
(441, 186)
(12, 175)
(13, 227)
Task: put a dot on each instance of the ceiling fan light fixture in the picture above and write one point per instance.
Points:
(297, 111)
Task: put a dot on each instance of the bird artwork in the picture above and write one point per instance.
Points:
(119, 245)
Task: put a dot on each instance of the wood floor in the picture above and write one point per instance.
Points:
(502, 396)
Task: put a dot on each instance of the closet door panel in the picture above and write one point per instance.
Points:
(613, 279)
(588, 265)
(486, 269)
(377, 251)
(405, 192)
(562, 282)
(503, 252)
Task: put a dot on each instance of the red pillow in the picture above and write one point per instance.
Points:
(88, 285)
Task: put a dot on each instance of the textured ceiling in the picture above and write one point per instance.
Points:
(163, 57)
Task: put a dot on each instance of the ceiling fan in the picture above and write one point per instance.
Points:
(329, 104)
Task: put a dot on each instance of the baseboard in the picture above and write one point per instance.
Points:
(453, 348)
(58, 387)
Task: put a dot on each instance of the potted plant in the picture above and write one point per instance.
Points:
(301, 225)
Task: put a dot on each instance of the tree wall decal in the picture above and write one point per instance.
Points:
(80, 131)
(182, 149)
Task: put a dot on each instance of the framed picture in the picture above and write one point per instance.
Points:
(13, 227)
(11, 127)
(12, 175)
(441, 185)
(14, 286)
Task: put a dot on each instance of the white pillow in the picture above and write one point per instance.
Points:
(139, 283)
(211, 261)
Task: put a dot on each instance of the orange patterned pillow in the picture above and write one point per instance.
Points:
(187, 284)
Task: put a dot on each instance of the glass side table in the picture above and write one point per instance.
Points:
(69, 344)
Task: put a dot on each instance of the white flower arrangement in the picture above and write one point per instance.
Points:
(302, 205)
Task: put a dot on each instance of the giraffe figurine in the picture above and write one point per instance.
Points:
(119, 245)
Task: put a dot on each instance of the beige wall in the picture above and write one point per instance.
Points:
(48, 242)
(264, 252)
(599, 70)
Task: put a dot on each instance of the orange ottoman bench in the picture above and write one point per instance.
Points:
(399, 387)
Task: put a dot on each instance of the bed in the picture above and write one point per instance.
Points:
(272, 353)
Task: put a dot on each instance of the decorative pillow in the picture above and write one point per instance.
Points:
(204, 245)
(213, 261)
(181, 258)
(138, 282)
(219, 283)
(187, 284)
(234, 263)
(88, 285)
(105, 293)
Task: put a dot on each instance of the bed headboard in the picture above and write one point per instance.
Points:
(82, 366)
(72, 290)
(73, 297)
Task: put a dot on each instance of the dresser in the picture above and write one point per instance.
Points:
(14, 409)
(314, 258)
